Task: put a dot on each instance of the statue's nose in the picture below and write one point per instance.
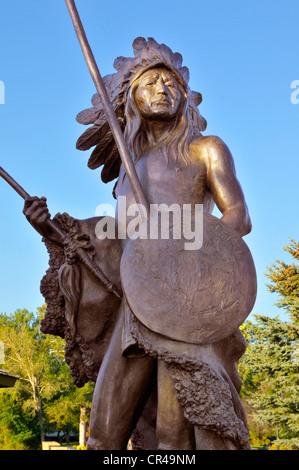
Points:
(161, 87)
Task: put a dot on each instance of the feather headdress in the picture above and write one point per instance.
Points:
(148, 54)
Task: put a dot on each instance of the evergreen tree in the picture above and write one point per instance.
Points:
(284, 279)
(270, 367)
(272, 379)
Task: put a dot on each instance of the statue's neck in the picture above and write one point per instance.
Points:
(157, 130)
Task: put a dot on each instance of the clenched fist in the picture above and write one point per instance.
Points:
(37, 213)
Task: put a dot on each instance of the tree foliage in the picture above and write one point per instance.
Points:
(270, 367)
(18, 429)
(284, 279)
(44, 398)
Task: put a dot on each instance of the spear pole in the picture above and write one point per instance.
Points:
(109, 111)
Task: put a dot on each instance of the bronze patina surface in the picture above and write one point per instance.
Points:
(196, 296)
(158, 329)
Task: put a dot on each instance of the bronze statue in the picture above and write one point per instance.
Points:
(148, 313)
(159, 334)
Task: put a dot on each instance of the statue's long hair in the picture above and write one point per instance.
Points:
(175, 145)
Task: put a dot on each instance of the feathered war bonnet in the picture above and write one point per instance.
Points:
(148, 54)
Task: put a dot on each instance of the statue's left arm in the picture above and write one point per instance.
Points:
(224, 185)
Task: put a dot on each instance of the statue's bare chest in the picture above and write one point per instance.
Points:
(164, 182)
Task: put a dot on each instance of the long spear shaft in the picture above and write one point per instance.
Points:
(13, 184)
(109, 111)
(83, 256)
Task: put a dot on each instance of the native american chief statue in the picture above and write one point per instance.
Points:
(154, 322)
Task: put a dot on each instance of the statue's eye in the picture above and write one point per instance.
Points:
(150, 81)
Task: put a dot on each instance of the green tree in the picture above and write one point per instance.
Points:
(44, 394)
(284, 281)
(18, 430)
(63, 412)
(26, 354)
(270, 367)
(272, 379)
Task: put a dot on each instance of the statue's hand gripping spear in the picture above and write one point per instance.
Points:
(64, 239)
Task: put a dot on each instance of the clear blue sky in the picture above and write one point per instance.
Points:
(242, 56)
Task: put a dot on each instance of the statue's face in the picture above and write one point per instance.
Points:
(158, 94)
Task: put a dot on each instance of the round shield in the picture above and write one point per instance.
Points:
(196, 292)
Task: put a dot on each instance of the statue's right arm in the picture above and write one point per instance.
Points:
(224, 185)
(37, 213)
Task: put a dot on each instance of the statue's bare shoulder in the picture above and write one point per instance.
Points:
(222, 180)
(212, 151)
